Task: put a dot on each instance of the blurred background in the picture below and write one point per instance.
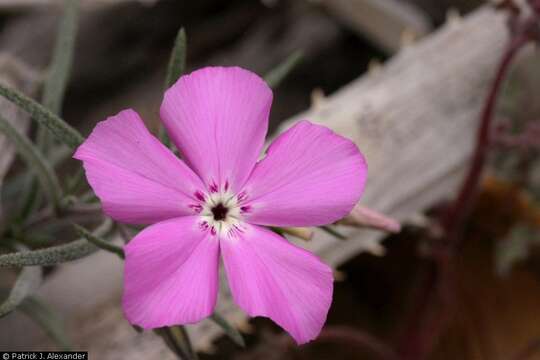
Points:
(405, 79)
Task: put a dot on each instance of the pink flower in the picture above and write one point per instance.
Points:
(216, 200)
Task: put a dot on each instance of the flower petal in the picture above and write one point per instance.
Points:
(270, 277)
(218, 119)
(171, 274)
(310, 176)
(137, 178)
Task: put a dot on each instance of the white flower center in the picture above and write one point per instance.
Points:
(221, 212)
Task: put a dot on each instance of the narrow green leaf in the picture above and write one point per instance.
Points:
(49, 256)
(88, 197)
(75, 181)
(99, 242)
(59, 128)
(62, 58)
(14, 185)
(31, 196)
(35, 161)
(60, 66)
(175, 69)
(55, 254)
(47, 319)
(177, 62)
(27, 282)
(229, 330)
(280, 72)
(30, 200)
(177, 340)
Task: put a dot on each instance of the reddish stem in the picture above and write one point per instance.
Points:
(461, 207)
(430, 317)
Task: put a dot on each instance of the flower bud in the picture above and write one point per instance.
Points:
(361, 216)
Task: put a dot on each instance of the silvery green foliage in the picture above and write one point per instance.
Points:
(177, 340)
(27, 282)
(177, 62)
(175, 69)
(229, 330)
(58, 127)
(14, 229)
(55, 254)
(62, 59)
(280, 72)
(35, 161)
(97, 240)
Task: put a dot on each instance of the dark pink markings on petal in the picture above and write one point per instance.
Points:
(199, 195)
(242, 196)
(226, 186)
(213, 230)
(204, 225)
(214, 188)
(196, 207)
(245, 208)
